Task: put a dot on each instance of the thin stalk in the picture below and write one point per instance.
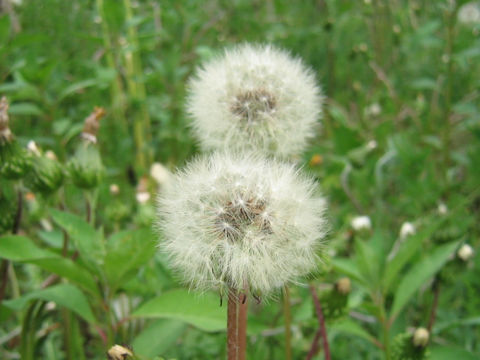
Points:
(433, 311)
(242, 326)
(288, 323)
(321, 321)
(314, 346)
(137, 91)
(232, 330)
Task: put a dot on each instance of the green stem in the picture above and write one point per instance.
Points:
(288, 323)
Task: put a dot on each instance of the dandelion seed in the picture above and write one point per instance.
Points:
(231, 237)
(255, 98)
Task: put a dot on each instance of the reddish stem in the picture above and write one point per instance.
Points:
(321, 321)
(314, 347)
(232, 334)
(242, 325)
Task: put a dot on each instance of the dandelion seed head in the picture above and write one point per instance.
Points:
(232, 236)
(256, 98)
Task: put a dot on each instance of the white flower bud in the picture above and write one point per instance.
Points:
(160, 173)
(469, 13)
(226, 226)
(361, 223)
(142, 197)
(442, 208)
(407, 229)
(465, 252)
(32, 146)
(114, 189)
(372, 145)
(51, 155)
(420, 337)
(373, 110)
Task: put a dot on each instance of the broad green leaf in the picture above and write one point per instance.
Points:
(202, 311)
(350, 327)
(126, 252)
(158, 337)
(25, 109)
(65, 295)
(450, 352)
(86, 240)
(419, 273)
(4, 29)
(76, 87)
(348, 267)
(22, 249)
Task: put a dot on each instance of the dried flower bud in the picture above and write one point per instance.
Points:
(420, 337)
(118, 352)
(92, 124)
(5, 134)
(316, 160)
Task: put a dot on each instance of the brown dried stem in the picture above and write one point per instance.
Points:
(321, 321)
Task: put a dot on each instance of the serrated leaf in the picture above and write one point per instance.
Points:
(202, 311)
(419, 273)
(65, 295)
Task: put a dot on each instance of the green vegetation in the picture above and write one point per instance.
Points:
(399, 143)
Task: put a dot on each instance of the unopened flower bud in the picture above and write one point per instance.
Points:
(46, 175)
(86, 168)
(360, 223)
(442, 208)
(114, 189)
(465, 252)
(406, 230)
(160, 174)
(343, 285)
(420, 337)
(5, 134)
(51, 155)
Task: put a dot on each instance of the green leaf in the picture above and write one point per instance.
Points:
(450, 352)
(126, 252)
(158, 337)
(76, 87)
(420, 273)
(350, 327)
(25, 109)
(86, 240)
(22, 249)
(65, 295)
(4, 29)
(202, 311)
(348, 267)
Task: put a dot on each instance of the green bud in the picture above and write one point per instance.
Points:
(8, 209)
(15, 161)
(403, 348)
(86, 168)
(46, 175)
(334, 302)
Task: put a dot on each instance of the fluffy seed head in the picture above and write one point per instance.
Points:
(241, 221)
(255, 97)
(407, 230)
(360, 223)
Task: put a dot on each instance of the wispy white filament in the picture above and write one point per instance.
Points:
(241, 220)
(255, 97)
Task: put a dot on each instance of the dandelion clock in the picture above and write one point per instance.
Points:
(255, 97)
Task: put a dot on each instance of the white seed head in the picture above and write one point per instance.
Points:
(225, 226)
(420, 337)
(160, 173)
(142, 197)
(407, 229)
(469, 13)
(361, 223)
(465, 252)
(373, 110)
(255, 97)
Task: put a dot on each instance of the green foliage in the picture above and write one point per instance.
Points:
(399, 141)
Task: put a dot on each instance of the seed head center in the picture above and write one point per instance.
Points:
(251, 105)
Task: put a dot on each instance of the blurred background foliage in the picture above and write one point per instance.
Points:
(399, 143)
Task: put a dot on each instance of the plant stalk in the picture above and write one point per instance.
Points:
(321, 321)
(232, 330)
